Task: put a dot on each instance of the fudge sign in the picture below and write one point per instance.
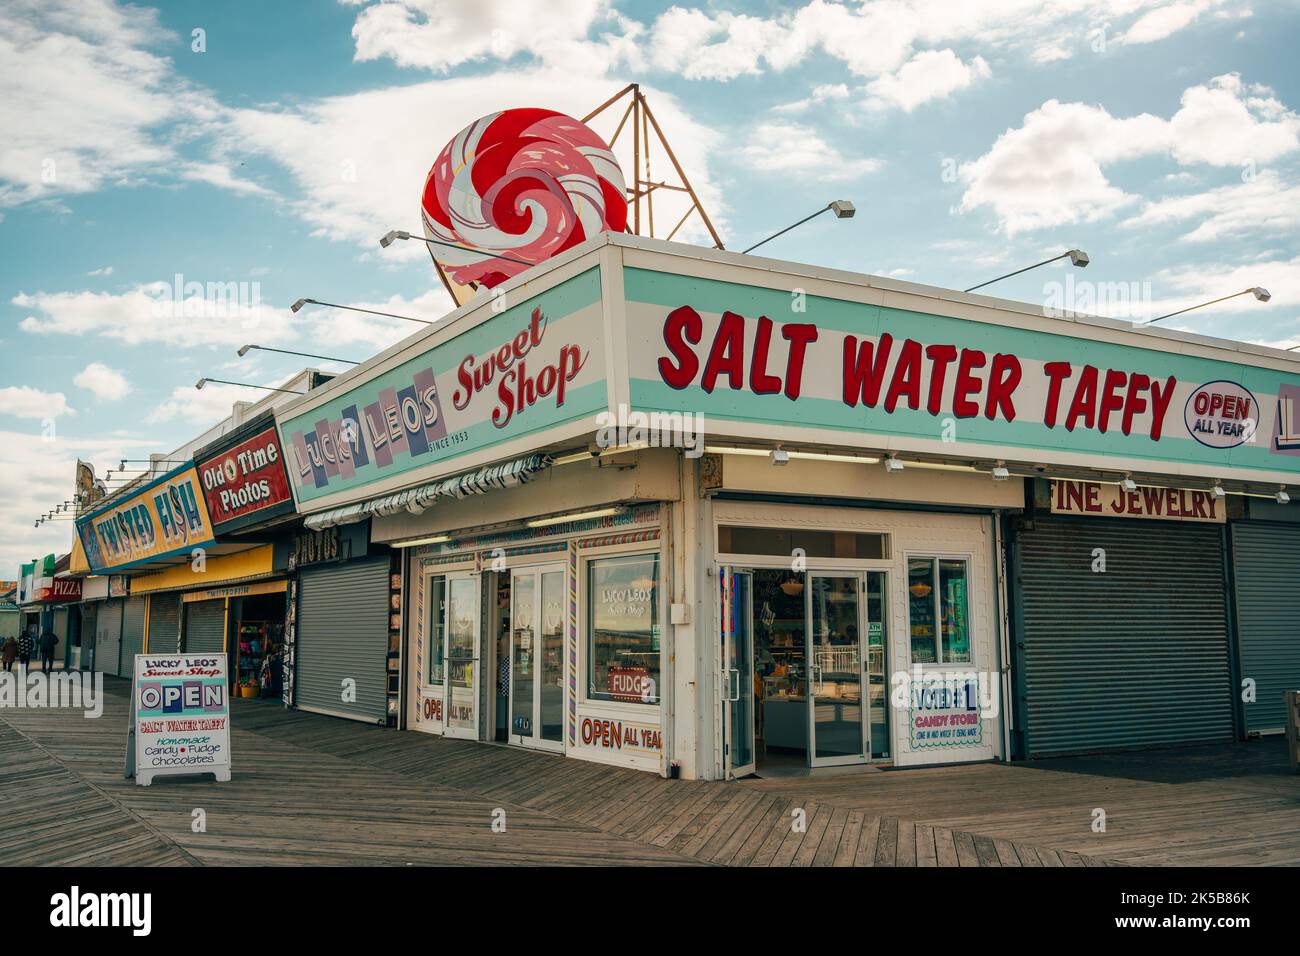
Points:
(246, 478)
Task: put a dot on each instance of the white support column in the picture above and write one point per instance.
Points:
(682, 730)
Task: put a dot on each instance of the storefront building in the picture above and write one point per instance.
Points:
(1122, 608)
(1264, 551)
(342, 639)
(704, 514)
(243, 608)
(175, 586)
(49, 599)
(10, 615)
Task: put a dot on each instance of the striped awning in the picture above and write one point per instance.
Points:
(415, 500)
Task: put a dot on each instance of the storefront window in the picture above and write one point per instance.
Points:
(937, 616)
(436, 629)
(623, 629)
(952, 612)
(920, 609)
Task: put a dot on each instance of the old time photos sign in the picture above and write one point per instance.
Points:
(180, 717)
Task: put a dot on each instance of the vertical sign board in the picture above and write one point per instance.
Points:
(180, 717)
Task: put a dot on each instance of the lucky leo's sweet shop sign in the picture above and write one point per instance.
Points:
(180, 717)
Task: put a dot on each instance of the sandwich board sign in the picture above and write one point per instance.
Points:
(180, 717)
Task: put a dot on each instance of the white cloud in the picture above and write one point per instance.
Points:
(37, 473)
(930, 75)
(1244, 318)
(875, 38)
(147, 315)
(103, 271)
(783, 147)
(1266, 205)
(360, 162)
(202, 407)
(825, 93)
(1051, 52)
(217, 174)
(1165, 21)
(23, 401)
(1051, 170)
(1223, 123)
(441, 34)
(85, 101)
(723, 46)
(224, 314)
(104, 382)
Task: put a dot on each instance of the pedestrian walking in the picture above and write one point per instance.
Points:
(25, 647)
(49, 640)
(9, 652)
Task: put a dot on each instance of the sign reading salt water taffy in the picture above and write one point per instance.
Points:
(781, 363)
(180, 717)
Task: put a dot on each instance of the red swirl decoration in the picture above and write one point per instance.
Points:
(524, 184)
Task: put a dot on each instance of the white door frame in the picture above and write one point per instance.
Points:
(733, 681)
(535, 571)
(450, 729)
(864, 729)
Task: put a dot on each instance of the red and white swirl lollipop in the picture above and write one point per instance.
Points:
(522, 183)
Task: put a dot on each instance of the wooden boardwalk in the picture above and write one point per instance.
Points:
(317, 790)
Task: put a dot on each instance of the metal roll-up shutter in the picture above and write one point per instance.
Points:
(343, 633)
(1264, 559)
(205, 627)
(132, 636)
(164, 623)
(1134, 656)
(108, 636)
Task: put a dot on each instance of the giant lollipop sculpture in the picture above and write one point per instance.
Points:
(524, 184)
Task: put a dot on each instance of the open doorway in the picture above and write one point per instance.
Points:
(804, 662)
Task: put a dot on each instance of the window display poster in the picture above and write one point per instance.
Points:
(180, 717)
(945, 712)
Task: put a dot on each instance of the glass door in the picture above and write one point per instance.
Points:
(463, 653)
(537, 658)
(738, 671)
(837, 711)
(878, 664)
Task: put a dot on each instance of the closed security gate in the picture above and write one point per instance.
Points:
(132, 636)
(1134, 655)
(205, 627)
(343, 637)
(1264, 562)
(164, 623)
(108, 636)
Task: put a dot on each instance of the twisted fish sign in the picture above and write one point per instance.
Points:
(166, 517)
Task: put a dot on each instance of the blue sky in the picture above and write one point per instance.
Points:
(974, 138)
